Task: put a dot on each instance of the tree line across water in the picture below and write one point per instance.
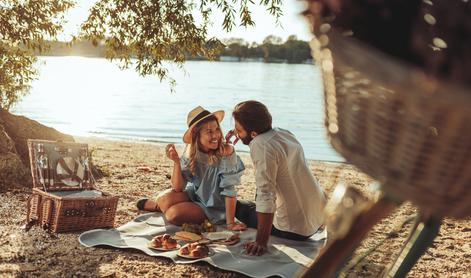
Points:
(272, 50)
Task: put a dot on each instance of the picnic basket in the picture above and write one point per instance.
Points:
(408, 130)
(64, 198)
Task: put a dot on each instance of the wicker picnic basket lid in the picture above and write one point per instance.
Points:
(407, 129)
(59, 166)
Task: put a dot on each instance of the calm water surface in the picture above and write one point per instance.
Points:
(93, 97)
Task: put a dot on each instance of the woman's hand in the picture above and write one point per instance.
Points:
(172, 153)
(229, 135)
(254, 248)
(236, 226)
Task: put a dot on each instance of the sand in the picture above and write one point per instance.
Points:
(37, 253)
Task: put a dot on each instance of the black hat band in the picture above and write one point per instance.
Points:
(198, 117)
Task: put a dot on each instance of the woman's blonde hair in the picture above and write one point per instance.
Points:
(213, 155)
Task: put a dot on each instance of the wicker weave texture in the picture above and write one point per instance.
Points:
(66, 214)
(410, 132)
(71, 214)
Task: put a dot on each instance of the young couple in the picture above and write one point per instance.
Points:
(289, 202)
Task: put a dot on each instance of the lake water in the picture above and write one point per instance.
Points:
(93, 97)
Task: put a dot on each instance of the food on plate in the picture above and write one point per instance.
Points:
(233, 237)
(206, 226)
(218, 235)
(231, 240)
(164, 241)
(196, 250)
(192, 228)
(184, 235)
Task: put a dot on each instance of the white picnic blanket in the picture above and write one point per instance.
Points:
(285, 258)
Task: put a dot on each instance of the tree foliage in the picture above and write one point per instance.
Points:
(271, 50)
(154, 31)
(24, 27)
(149, 31)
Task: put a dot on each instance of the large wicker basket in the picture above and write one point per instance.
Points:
(409, 131)
(60, 207)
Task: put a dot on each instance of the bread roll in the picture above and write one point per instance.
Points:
(200, 251)
(169, 243)
(196, 250)
(156, 242)
(185, 250)
(163, 241)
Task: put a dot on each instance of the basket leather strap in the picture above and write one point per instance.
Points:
(47, 207)
(30, 219)
(93, 209)
(28, 208)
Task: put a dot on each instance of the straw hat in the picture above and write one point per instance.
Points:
(197, 115)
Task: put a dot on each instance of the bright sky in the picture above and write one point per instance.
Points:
(292, 22)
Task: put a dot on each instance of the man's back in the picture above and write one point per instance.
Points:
(285, 184)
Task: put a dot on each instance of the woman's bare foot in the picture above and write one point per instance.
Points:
(147, 205)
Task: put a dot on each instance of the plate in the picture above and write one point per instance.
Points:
(210, 253)
(164, 249)
(70, 166)
(218, 235)
(227, 241)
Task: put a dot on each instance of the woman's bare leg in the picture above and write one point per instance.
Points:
(185, 212)
(164, 200)
(168, 198)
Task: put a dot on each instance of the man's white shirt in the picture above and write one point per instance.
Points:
(285, 184)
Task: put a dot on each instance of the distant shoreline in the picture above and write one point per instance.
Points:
(162, 143)
(232, 59)
(292, 51)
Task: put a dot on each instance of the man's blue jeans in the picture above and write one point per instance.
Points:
(245, 212)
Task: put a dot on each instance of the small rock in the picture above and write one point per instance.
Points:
(145, 169)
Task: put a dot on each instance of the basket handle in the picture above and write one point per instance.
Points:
(29, 204)
(47, 214)
(30, 219)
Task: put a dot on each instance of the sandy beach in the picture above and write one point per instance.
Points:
(37, 253)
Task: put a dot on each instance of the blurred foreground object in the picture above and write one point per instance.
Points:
(397, 84)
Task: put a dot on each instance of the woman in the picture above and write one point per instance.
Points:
(204, 178)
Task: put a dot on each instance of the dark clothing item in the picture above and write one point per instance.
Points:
(246, 213)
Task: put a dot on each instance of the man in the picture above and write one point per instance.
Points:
(289, 202)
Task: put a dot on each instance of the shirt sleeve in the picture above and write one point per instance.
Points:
(266, 167)
(186, 173)
(230, 169)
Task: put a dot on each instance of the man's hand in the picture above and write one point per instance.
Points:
(254, 248)
(229, 135)
(172, 153)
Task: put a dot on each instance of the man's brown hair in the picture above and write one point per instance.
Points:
(253, 116)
